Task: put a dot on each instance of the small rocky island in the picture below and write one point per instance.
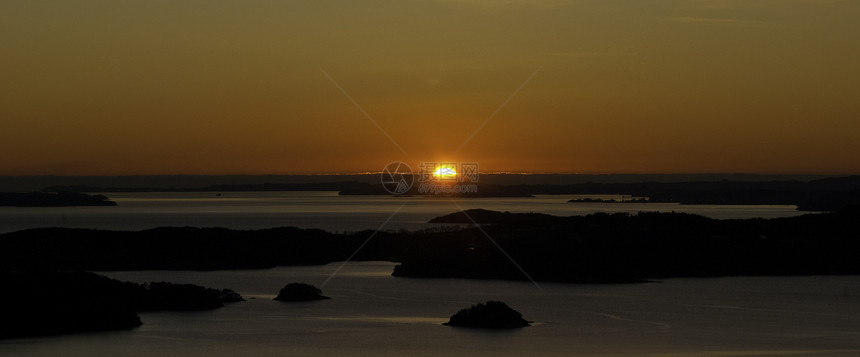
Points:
(300, 292)
(491, 315)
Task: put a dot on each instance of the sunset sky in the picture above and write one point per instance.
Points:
(594, 86)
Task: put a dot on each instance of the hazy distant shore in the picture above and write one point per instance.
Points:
(60, 199)
(825, 194)
(186, 182)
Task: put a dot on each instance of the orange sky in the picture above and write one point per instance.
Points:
(240, 87)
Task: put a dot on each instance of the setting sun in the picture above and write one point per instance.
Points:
(445, 173)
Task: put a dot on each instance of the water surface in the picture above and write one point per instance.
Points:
(374, 314)
(325, 210)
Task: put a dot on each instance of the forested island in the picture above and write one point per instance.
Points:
(296, 292)
(489, 315)
(46, 290)
(49, 302)
(597, 248)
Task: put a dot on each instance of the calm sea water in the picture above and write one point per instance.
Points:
(374, 314)
(326, 210)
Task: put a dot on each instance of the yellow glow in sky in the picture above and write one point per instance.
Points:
(106, 87)
(445, 173)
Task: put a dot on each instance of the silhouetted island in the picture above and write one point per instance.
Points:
(596, 248)
(491, 315)
(39, 303)
(300, 292)
(159, 296)
(628, 248)
(47, 199)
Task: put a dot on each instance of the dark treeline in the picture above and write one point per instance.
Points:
(621, 247)
(45, 293)
(45, 302)
(492, 314)
(597, 248)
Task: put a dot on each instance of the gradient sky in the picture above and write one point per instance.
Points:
(242, 87)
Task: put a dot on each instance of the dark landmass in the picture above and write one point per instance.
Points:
(59, 199)
(821, 194)
(164, 296)
(605, 248)
(598, 248)
(480, 215)
(491, 315)
(41, 302)
(817, 195)
(830, 201)
(300, 292)
(570, 179)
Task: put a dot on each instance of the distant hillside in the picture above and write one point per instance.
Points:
(603, 248)
(817, 195)
(598, 248)
(823, 194)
